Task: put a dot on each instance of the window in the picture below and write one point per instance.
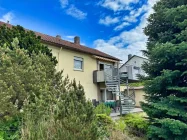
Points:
(103, 66)
(108, 66)
(78, 63)
(136, 68)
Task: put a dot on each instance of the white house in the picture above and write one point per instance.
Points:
(133, 66)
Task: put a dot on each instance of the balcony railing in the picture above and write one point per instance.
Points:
(98, 76)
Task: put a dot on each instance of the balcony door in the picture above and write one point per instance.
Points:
(103, 66)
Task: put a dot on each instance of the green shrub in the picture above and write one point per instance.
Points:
(70, 116)
(1, 135)
(51, 106)
(104, 124)
(120, 125)
(10, 129)
(102, 109)
(136, 124)
(104, 120)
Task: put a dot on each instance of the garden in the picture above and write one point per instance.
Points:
(39, 103)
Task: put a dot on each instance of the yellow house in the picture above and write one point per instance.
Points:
(84, 64)
(81, 63)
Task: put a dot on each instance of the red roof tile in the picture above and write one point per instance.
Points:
(69, 45)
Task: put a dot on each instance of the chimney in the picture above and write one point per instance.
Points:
(7, 21)
(77, 40)
(129, 56)
(58, 36)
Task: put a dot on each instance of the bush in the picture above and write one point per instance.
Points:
(70, 116)
(9, 129)
(102, 109)
(120, 125)
(104, 124)
(1, 136)
(104, 120)
(52, 107)
(136, 124)
(24, 77)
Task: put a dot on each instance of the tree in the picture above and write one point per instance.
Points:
(69, 117)
(27, 40)
(23, 76)
(166, 89)
(31, 88)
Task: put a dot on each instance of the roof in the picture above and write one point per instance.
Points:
(68, 45)
(131, 58)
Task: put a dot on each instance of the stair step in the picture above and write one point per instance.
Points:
(115, 92)
(125, 99)
(112, 82)
(127, 106)
(109, 87)
(112, 85)
(125, 112)
(127, 103)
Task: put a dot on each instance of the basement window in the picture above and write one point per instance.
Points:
(78, 63)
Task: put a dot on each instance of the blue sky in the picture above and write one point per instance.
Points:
(112, 26)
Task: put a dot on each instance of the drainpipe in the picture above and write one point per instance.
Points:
(59, 58)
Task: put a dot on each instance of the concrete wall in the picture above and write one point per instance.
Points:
(139, 94)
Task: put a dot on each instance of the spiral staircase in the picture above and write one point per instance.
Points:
(113, 80)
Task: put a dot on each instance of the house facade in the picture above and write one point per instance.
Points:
(82, 67)
(133, 67)
(84, 64)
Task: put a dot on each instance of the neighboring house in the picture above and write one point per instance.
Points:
(85, 64)
(133, 67)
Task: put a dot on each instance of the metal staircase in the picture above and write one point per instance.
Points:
(113, 80)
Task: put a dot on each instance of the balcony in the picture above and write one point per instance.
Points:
(98, 76)
(110, 75)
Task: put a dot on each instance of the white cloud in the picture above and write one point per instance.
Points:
(108, 20)
(131, 18)
(128, 42)
(76, 13)
(70, 36)
(7, 17)
(64, 3)
(121, 26)
(134, 14)
(117, 5)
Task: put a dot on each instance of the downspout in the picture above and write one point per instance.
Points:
(59, 58)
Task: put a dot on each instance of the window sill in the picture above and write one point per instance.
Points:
(81, 70)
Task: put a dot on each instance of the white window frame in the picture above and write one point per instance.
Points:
(78, 59)
(100, 62)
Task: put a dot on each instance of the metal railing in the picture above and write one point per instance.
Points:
(113, 80)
